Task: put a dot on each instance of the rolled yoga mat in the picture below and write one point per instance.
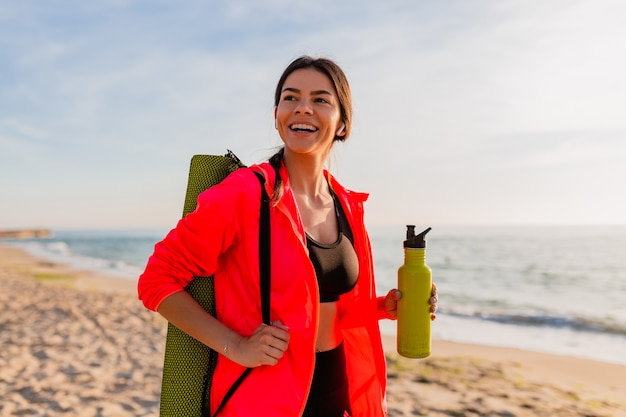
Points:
(188, 364)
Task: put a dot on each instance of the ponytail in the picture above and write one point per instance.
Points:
(276, 161)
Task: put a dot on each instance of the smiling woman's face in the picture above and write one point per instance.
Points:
(308, 115)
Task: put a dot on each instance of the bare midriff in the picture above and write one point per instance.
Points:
(329, 333)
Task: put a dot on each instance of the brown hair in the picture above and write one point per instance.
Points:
(340, 82)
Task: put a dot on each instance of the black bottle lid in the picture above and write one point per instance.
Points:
(415, 241)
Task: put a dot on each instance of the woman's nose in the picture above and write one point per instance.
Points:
(303, 107)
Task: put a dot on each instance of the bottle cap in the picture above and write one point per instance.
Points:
(415, 241)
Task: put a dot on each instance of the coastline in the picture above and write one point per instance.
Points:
(25, 233)
(79, 343)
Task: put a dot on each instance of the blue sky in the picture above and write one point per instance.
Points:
(466, 112)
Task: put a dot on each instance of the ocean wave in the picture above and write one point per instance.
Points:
(61, 252)
(580, 324)
(60, 248)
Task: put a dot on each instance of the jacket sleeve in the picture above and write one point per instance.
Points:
(193, 248)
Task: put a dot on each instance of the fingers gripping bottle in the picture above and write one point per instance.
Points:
(415, 283)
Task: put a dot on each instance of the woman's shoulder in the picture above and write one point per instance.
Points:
(241, 184)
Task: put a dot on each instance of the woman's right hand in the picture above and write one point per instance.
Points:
(264, 347)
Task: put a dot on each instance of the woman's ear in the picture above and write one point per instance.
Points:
(341, 130)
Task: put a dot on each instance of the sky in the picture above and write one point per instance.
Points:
(467, 112)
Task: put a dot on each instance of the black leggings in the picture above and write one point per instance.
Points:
(329, 390)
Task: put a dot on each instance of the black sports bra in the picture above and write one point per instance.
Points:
(336, 264)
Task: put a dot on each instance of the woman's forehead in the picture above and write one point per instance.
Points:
(310, 79)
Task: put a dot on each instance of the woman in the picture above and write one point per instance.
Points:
(323, 354)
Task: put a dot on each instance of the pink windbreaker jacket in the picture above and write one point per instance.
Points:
(220, 238)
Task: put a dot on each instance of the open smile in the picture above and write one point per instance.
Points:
(303, 127)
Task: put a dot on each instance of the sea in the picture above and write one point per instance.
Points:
(552, 289)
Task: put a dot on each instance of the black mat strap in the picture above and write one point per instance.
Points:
(265, 273)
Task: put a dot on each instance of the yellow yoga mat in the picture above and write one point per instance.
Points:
(188, 364)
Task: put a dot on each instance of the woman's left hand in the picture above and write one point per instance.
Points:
(433, 303)
(391, 303)
(392, 297)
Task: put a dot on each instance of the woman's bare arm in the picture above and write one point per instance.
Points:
(264, 347)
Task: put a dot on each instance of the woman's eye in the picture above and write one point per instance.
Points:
(321, 100)
(289, 98)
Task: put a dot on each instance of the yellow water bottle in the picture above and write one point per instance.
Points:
(415, 283)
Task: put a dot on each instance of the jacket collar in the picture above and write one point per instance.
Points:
(351, 200)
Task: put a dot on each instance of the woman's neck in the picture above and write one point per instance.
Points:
(306, 174)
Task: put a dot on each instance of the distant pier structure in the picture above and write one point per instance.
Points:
(25, 233)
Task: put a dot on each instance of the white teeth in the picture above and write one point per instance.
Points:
(301, 126)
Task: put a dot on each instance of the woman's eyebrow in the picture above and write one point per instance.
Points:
(321, 92)
(314, 93)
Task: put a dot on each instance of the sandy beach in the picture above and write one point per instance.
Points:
(74, 343)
